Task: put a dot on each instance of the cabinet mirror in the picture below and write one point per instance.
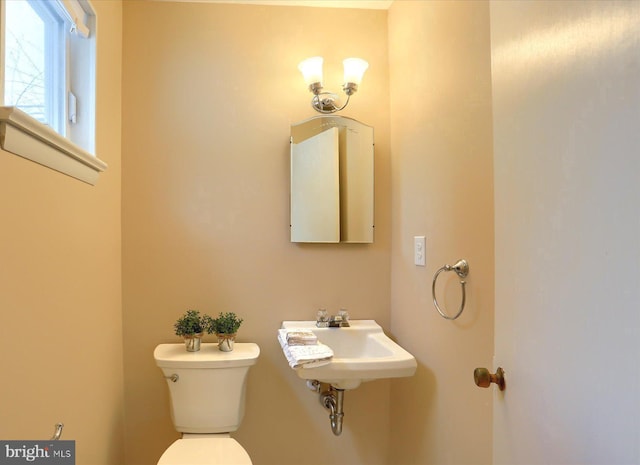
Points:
(332, 180)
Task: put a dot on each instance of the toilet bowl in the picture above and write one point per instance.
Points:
(202, 449)
(207, 390)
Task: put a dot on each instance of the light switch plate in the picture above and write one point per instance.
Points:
(419, 251)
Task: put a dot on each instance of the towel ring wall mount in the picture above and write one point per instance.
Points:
(461, 267)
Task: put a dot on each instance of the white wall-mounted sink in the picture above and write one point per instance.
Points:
(362, 352)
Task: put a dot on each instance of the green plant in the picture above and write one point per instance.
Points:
(193, 323)
(226, 323)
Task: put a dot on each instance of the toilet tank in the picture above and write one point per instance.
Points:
(208, 394)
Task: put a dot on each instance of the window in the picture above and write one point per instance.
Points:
(34, 62)
(48, 80)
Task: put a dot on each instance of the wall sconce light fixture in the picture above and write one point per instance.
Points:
(325, 102)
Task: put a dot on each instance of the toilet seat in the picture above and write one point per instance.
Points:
(205, 451)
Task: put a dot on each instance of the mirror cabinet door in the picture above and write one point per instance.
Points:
(315, 190)
(332, 180)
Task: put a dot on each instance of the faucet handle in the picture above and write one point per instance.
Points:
(322, 318)
(341, 320)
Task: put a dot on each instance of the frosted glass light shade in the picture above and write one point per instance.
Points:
(354, 69)
(311, 70)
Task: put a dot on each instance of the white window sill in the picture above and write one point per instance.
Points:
(22, 135)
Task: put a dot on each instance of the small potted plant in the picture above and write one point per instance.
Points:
(191, 327)
(226, 327)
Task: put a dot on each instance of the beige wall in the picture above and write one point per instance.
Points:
(60, 286)
(209, 93)
(205, 225)
(442, 187)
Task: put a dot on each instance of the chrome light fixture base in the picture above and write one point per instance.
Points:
(326, 102)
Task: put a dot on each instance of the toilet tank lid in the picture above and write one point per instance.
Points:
(209, 356)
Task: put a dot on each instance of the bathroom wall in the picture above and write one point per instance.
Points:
(60, 286)
(209, 93)
(442, 187)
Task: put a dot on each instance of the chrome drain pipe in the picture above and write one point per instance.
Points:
(333, 400)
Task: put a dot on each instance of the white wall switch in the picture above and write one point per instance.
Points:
(419, 251)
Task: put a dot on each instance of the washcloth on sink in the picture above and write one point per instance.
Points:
(299, 337)
(307, 356)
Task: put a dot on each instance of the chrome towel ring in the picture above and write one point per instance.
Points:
(462, 270)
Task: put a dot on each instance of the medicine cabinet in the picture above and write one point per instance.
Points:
(332, 178)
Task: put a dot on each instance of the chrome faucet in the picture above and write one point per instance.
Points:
(341, 320)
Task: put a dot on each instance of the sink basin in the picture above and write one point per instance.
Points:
(361, 352)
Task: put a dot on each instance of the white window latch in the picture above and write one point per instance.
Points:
(72, 108)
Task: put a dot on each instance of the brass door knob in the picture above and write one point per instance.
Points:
(483, 378)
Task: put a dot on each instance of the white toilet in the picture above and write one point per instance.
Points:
(207, 390)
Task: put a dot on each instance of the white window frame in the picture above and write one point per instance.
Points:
(27, 137)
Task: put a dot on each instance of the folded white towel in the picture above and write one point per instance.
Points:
(306, 356)
(299, 337)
